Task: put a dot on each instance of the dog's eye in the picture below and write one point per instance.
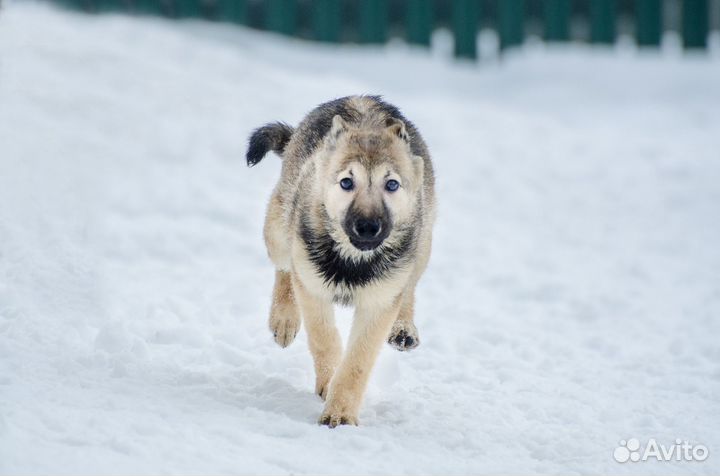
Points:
(347, 184)
(392, 185)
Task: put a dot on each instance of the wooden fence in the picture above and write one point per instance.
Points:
(374, 21)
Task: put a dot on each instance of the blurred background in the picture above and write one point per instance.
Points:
(572, 301)
(508, 22)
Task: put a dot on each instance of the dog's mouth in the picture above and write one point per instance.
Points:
(366, 245)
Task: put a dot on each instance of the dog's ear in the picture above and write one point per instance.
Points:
(397, 127)
(338, 126)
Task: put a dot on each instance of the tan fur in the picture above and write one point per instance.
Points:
(371, 150)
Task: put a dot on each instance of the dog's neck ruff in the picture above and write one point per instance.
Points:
(335, 269)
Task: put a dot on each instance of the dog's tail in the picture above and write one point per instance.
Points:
(273, 136)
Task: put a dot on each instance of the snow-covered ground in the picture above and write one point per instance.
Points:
(572, 301)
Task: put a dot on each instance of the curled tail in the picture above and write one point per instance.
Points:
(273, 136)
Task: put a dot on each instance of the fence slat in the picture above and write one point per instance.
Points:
(281, 16)
(107, 5)
(419, 17)
(465, 14)
(188, 8)
(373, 21)
(233, 11)
(557, 20)
(146, 6)
(602, 21)
(88, 6)
(511, 22)
(695, 23)
(326, 20)
(648, 21)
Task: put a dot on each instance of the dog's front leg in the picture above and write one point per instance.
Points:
(323, 337)
(370, 328)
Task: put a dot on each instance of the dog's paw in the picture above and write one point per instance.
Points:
(404, 336)
(284, 328)
(332, 420)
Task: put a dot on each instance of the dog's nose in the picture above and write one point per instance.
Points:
(367, 229)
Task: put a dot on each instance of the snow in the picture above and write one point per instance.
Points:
(571, 302)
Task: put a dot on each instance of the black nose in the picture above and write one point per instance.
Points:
(367, 229)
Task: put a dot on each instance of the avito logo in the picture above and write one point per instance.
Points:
(631, 450)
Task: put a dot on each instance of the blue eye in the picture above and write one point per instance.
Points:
(347, 184)
(392, 185)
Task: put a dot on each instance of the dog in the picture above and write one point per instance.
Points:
(350, 223)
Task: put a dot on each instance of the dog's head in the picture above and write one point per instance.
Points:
(371, 183)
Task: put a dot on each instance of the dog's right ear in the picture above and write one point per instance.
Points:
(338, 127)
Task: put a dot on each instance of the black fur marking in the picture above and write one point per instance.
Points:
(335, 269)
(317, 125)
(319, 122)
(416, 145)
(274, 136)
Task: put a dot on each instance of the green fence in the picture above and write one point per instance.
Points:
(375, 21)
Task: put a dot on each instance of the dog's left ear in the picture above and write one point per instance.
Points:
(397, 127)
